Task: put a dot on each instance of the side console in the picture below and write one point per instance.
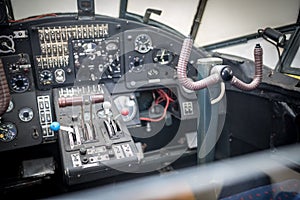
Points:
(94, 140)
(19, 126)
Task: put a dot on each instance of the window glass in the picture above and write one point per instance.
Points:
(27, 8)
(177, 14)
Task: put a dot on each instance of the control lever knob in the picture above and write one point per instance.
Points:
(227, 74)
(106, 106)
(55, 126)
(124, 111)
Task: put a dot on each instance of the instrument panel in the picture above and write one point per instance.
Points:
(57, 70)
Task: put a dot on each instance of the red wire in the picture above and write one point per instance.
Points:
(163, 96)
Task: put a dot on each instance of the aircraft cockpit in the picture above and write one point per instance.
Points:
(148, 100)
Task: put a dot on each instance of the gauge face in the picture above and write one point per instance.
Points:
(7, 44)
(8, 132)
(143, 43)
(26, 114)
(19, 83)
(136, 64)
(127, 107)
(45, 77)
(163, 56)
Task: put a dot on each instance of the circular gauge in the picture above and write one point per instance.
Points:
(127, 107)
(7, 44)
(26, 114)
(10, 107)
(45, 77)
(163, 56)
(136, 64)
(8, 132)
(19, 83)
(143, 43)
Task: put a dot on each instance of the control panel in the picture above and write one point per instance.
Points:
(45, 114)
(94, 140)
(19, 126)
(96, 59)
(151, 58)
(105, 90)
(52, 51)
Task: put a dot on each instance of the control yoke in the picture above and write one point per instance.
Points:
(219, 73)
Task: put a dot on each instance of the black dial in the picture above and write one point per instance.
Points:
(143, 43)
(8, 132)
(19, 83)
(136, 64)
(45, 77)
(163, 56)
(26, 114)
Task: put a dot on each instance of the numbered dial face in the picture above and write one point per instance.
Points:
(143, 43)
(127, 107)
(8, 132)
(19, 83)
(163, 56)
(26, 114)
(136, 64)
(45, 77)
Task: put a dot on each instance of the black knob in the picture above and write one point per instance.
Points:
(26, 114)
(82, 151)
(111, 153)
(226, 74)
(84, 160)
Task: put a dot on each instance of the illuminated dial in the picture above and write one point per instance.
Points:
(8, 132)
(45, 77)
(143, 43)
(26, 114)
(127, 107)
(7, 44)
(163, 56)
(19, 83)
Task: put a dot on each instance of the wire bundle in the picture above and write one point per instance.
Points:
(163, 97)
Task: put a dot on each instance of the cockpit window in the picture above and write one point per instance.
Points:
(296, 60)
(177, 14)
(28, 8)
